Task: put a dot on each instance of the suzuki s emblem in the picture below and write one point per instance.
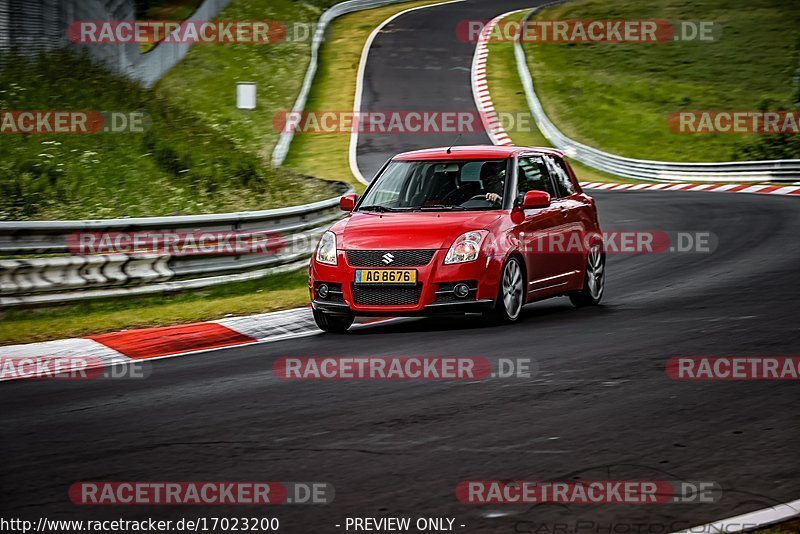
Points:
(388, 258)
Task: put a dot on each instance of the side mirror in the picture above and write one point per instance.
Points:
(347, 202)
(536, 200)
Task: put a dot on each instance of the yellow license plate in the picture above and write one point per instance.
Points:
(386, 276)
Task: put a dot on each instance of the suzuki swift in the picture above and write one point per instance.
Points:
(481, 229)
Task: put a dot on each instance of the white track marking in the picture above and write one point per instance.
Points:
(362, 66)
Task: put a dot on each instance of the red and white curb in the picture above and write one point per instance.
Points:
(720, 188)
(128, 346)
(498, 135)
(480, 86)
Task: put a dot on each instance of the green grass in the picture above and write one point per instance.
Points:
(240, 298)
(326, 155)
(181, 165)
(166, 9)
(205, 80)
(617, 97)
(508, 96)
(342, 51)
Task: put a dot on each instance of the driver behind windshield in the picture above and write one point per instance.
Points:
(493, 179)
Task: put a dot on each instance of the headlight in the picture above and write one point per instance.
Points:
(326, 250)
(465, 248)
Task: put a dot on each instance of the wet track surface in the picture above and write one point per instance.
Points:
(600, 397)
(599, 406)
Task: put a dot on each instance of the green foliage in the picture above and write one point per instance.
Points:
(180, 165)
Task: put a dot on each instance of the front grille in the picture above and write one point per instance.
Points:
(386, 295)
(381, 258)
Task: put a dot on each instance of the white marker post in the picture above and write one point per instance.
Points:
(246, 95)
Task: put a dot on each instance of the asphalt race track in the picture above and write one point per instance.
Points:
(599, 406)
(417, 63)
(600, 397)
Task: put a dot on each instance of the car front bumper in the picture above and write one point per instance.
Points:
(434, 283)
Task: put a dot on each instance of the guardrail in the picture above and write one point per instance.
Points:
(285, 140)
(784, 170)
(30, 280)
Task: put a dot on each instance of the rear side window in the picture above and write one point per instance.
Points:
(560, 176)
(533, 175)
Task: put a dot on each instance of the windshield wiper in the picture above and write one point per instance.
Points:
(438, 207)
(376, 208)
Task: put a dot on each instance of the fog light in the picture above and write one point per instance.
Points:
(322, 291)
(461, 290)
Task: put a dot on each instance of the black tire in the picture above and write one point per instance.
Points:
(505, 312)
(593, 279)
(335, 324)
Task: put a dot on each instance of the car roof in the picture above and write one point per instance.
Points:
(471, 152)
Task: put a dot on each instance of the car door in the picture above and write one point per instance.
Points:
(540, 229)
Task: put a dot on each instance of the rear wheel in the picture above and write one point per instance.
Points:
(336, 324)
(511, 293)
(594, 280)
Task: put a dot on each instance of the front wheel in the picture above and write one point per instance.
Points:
(511, 293)
(594, 280)
(336, 324)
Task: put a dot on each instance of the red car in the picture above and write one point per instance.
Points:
(461, 229)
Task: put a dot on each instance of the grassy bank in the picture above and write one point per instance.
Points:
(209, 73)
(180, 165)
(508, 96)
(617, 96)
(205, 80)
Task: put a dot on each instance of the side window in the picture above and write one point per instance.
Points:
(532, 175)
(560, 176)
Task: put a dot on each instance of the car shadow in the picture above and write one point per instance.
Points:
(539, 313)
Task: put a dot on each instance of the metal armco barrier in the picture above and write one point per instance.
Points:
(784, 170)
(27, 281)
(285, 140)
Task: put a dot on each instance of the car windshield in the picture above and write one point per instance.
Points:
(452, 185)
